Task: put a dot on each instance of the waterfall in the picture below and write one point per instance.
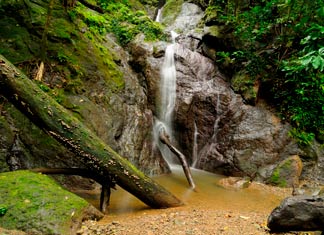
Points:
(168, 98)
(158, 16)
(168, 86)
(195, 147)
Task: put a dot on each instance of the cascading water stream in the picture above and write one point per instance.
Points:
(195, 147)
(197, 156)
(158, 15)
(168, 99)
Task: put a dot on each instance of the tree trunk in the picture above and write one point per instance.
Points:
(68, 130)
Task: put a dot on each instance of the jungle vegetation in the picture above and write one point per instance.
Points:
(281, 44)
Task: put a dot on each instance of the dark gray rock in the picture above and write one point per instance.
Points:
(300, 213)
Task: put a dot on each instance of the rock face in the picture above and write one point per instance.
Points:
(300, 213)
(214, 128)
(231, 137)
(100, 88)
(37, 205)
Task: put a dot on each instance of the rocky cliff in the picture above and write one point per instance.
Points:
(87, 73)
(216, 127)
(114, 90)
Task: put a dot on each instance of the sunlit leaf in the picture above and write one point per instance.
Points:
(321, 51)
(305, 40)
(306, 60)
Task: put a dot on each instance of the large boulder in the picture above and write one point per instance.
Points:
(231, 137)
(300, 213)
(36, 204)
(287, 172)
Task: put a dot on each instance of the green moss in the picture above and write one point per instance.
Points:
(61, 29)
(171, 10)
(38, 147)
(16, 43)
(147, 2)
(124, 21)
(245, 85)
(35, 202)
(277, 177)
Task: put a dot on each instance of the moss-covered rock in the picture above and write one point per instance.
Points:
(243, 84)
(30, 146)
(287, 172)
(171, 10)
(86, 71)
(38, 205)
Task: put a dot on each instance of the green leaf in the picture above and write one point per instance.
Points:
(3, 210)
(318, 62)
(305, 60)
(321, 51)
(305, 40)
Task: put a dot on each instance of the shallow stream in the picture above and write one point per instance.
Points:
(209, 194)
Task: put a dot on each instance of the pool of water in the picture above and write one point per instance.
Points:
(209, 194)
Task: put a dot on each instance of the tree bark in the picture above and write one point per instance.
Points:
(186, 169)
(69, 131)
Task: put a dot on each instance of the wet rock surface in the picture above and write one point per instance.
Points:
(300, 213)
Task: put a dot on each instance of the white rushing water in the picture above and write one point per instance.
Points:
(195, 147)
(168, 87)
(158, 16)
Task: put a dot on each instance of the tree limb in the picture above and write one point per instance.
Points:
(165, 140)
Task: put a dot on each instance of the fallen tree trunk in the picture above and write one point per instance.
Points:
(186, 169)
(69, 131)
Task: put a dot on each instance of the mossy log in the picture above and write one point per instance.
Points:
(46, 113)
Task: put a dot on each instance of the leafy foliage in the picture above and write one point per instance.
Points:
(281, 43)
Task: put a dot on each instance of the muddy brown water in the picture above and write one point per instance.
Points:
(209, 194)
